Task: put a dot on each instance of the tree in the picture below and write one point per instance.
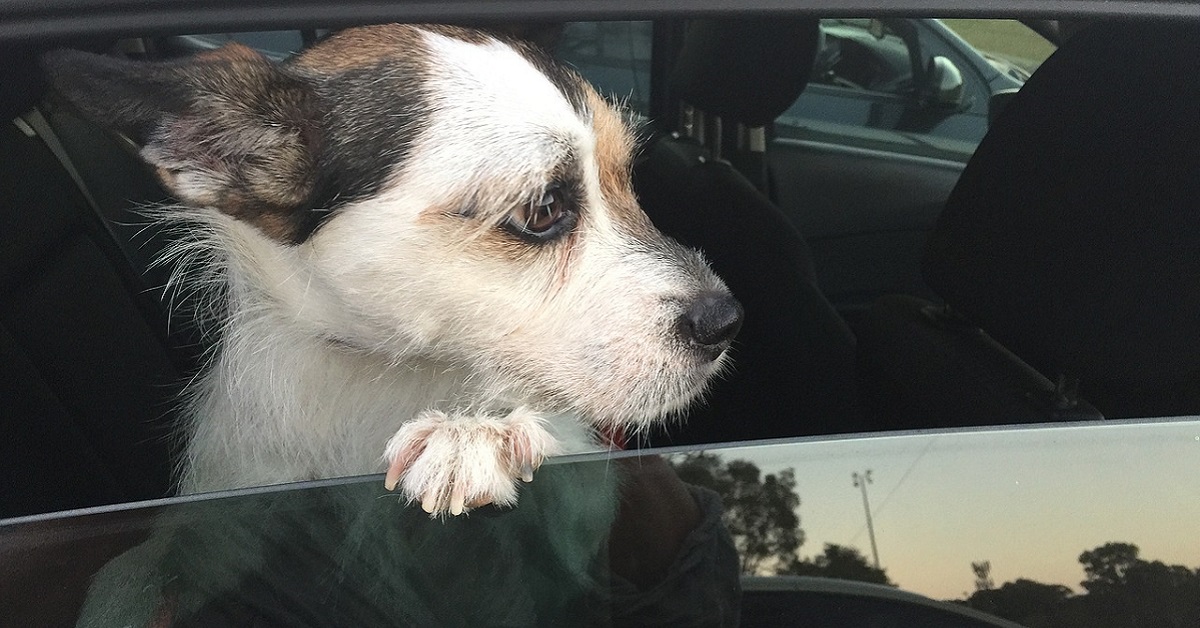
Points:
(983, 575)
(1024, 601)
(760, 511)
(1161, 595)
(1105, 567)
(838, 561)
(1123, 591)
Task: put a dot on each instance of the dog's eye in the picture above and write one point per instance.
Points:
(542, 219)
(544, 214)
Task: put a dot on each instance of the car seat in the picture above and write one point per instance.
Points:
(88, 375)
(793, 361)
(1067, 254)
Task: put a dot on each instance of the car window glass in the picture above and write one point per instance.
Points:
(1032, 524)
(862, 54)
(921, 87)
(1010, 46)
(612, 56)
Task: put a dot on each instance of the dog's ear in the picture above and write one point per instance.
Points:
(226, 129)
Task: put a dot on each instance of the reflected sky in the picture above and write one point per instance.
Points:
(1030, 501)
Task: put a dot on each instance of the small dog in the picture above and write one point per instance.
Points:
(428, 248)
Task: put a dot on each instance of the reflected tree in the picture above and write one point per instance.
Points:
(1122, 591)
(1105, 567)
(760, 513)
(1027, 602)
(983, 575)
(839, 561)
(760, 510)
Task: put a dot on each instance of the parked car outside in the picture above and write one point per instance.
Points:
(873, 82)
(807, 601)
(912, 86)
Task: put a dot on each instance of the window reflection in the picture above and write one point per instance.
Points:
(1064, 526)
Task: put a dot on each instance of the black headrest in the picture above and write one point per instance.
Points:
(1073, 236)
(747, 70)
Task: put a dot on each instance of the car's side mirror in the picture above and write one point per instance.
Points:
(943, 84)
(998, 102)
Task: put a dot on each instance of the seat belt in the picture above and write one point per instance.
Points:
(34, 124)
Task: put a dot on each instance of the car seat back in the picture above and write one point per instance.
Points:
(1071, 237)
(793, 361)
(89, 378)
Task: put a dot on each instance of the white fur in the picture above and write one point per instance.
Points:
(396, 333)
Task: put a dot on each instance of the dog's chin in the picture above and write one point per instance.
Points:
(646, 406)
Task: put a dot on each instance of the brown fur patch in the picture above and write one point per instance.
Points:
(484, 240)
(249, 128)
(614, 157)
(368, 46)
(231, 53)
(362, 47)
(482, 235)
(565, 253)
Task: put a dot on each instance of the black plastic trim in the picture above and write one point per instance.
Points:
(26, 20)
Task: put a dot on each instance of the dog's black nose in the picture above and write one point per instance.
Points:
(711, 322)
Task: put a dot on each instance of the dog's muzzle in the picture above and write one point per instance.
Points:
(710, 323)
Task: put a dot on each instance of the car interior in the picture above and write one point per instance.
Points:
(1052, 278)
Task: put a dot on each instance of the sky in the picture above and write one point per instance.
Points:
(1030, 501)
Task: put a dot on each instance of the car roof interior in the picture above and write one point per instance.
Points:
(1060, 291)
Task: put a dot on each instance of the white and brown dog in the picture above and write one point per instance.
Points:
(429, 249)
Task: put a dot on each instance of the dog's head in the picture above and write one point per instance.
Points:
(434, 192)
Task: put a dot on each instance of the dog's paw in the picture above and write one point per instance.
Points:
(451, 463)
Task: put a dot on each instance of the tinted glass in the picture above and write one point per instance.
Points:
(612, 56)
(881, 84)
(1067, 518)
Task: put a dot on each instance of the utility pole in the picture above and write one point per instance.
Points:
(861, 482)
